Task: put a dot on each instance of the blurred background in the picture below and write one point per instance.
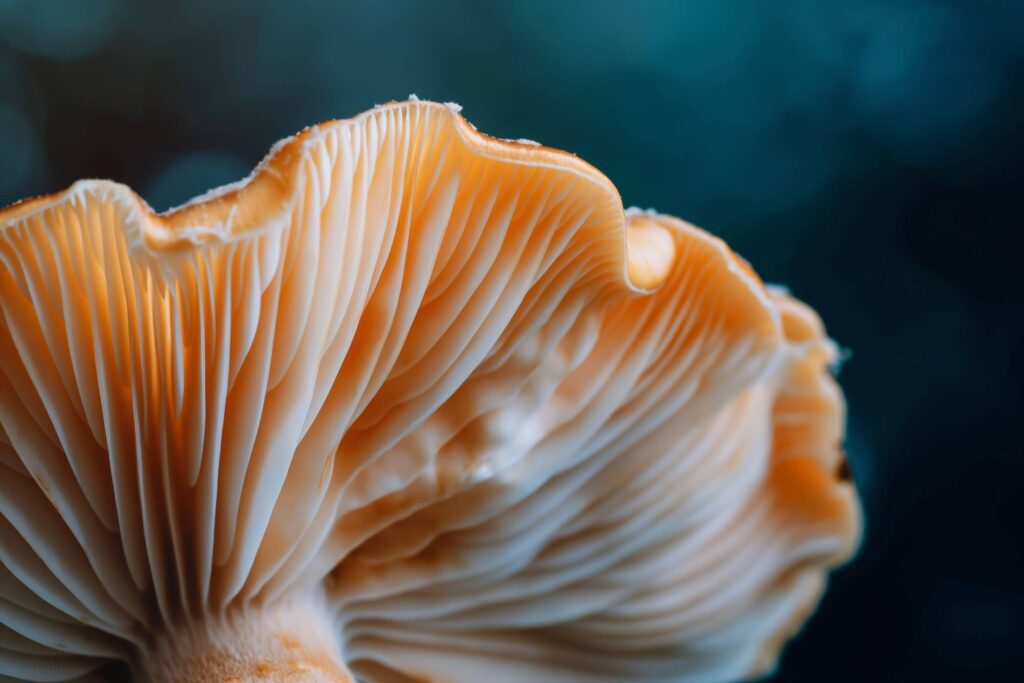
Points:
(868, 154)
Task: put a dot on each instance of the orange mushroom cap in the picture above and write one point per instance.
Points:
(408, 404)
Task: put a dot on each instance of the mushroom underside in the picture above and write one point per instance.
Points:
(410, 404)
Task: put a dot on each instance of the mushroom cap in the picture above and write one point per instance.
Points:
(441, 386)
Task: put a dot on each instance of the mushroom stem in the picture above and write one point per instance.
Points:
(294, 641)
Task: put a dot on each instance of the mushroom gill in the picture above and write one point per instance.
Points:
(408, 404)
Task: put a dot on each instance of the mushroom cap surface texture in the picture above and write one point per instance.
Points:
(408, 404)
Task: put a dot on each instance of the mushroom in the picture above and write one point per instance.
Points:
(408, 404)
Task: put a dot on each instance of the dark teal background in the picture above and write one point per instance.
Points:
(867, 154)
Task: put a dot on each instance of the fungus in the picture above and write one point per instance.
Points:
(409, 404)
